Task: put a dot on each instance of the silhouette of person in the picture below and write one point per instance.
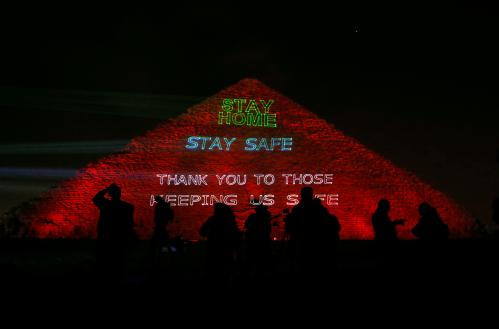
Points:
(328, 235)
(115, 232)
(163, 214)
(330, 224)
(223, 239)
(258, 238)
(432, 232)
(385, 232)
(430, 226)
(298, 225)
(384, 228)
(294, 227)
(306, 230)
(291, 240)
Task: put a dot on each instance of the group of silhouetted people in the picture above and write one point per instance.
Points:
(116, 233)
(430, 230)
(430, 226)
(310, 230)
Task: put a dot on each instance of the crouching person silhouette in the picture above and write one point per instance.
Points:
(115, 233)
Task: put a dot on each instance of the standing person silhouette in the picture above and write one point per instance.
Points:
(327, 235)
(385, 231)
(305, 227)
(384, 228)
(432, 234)
(115, 232)
(223, 238)
(258, 240)
(430, 226)
(163, 214)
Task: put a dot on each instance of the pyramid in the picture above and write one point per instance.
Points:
(345, 174)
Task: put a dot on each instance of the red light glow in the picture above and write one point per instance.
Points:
(361, 177)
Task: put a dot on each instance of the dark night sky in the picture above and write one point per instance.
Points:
(417, 84)
(297, 49)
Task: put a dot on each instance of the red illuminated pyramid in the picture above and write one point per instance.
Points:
(361, 177)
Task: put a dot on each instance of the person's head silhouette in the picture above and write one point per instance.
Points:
(114, 192)
(425, 209)
(307, 194)
(261, 209)
(383, 206)
(159, 199)
(219, 208)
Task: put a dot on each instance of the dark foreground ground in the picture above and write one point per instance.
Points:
(56, 279)
(52, 280)
(69, 265)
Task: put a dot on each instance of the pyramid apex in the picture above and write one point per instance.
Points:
(250, 87)
(246, 82)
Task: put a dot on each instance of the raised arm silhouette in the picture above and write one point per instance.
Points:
(115, 232)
